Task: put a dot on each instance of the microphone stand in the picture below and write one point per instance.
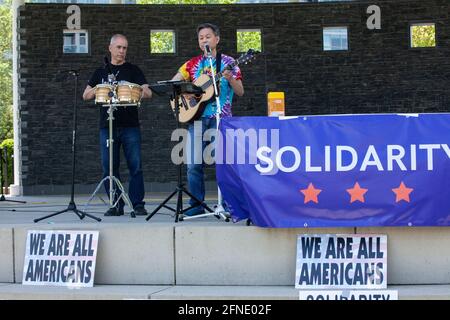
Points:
(72, 206)
(219, 210)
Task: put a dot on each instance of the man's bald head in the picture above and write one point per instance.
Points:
(118, 49)
(117, 36)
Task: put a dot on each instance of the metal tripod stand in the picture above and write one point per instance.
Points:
(177, 88)
(113, 181)
(72, 206)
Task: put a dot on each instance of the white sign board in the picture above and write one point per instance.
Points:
(381, 295)
(60, 258)
(346, 261)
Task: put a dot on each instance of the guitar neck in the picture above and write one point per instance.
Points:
(228, 67)
(219, 75)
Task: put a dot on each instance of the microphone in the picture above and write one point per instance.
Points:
(74, 72)
(71, 71)
(208, 50)
(63, 74)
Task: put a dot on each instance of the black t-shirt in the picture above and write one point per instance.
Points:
(123, 116)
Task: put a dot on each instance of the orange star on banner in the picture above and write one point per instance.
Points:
(357, 193)
(402, 193)
(311, 193)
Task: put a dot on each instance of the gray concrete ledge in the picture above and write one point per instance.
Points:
(237, 255)
(128, 254)
(422, 292)
(25, 292)
(206, 251)
(6, 255)
(416, 255)
(115, 292)
(227, 293)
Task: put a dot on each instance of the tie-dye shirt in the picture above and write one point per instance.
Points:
(199, 65)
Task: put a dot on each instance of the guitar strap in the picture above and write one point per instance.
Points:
(218, 67)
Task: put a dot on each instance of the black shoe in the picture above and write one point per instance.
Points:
(114, 212)
(140, 211)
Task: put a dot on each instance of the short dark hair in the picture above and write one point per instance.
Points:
(211, 26)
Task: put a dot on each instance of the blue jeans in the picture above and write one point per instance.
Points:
(195, 163)
(130, 140)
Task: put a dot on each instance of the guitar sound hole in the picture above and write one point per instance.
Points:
(192, 102)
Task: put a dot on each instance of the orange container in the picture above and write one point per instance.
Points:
(275, 104)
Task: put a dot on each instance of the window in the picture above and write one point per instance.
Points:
(75, 41)
(162, 41)
(335, 38)
(248, 39)
(423, 35)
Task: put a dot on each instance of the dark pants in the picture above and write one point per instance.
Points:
(195, 161)
(130, 140)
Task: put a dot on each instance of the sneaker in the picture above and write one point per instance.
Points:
(140, 211)
(114, 212)
(194, 211)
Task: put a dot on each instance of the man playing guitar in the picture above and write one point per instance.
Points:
(229, 84)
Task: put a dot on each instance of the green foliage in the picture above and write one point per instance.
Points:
(162, 42)
(6, 122)
(248, 40)
(6, 118)
(185, 1)
(423, 36)
(7, 144)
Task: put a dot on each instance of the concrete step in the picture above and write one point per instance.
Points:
(100, 292)
(211, 253)
(117, 292)
(207, 251)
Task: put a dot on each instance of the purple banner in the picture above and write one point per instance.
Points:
(336, 171)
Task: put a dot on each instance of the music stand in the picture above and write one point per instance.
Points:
(176, 88)
(72, 206)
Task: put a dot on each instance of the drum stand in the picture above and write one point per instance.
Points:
(111, 178)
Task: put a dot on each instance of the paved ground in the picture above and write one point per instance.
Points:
(12, 213)
(127, 292)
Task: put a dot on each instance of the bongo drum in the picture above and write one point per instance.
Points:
(102, 93)
(128, 92)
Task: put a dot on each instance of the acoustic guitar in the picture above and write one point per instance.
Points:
(192, 106)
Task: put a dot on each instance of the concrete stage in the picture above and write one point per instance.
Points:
(204, 258)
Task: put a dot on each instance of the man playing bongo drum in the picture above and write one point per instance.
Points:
(126, 131)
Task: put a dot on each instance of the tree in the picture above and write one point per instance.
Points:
(423, 36)
(185, 1)
(248, 40)
(8, 146)
(6, 121)
(162, 42)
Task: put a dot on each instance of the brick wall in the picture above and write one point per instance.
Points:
(378, 74)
